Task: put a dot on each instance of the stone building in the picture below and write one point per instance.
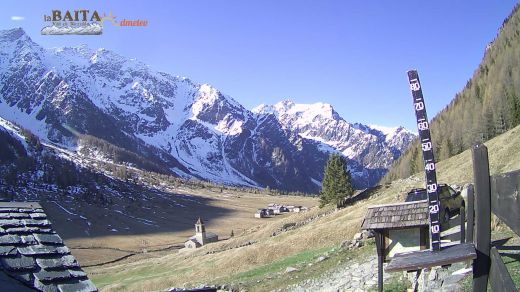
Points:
(262, 213)
(201, 237)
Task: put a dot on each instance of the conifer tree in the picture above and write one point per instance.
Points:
(337, 183)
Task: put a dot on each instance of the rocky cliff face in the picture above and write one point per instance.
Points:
(373, 147)
(185, 128)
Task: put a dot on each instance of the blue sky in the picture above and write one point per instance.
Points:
(351, 54)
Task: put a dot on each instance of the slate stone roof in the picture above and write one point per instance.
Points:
(32, 255)
(410, 214)
(209, 236)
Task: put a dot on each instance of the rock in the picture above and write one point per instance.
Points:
(358, 236)
(321, 259)
(433, 275)
(457, 187)
(368, 234)
(453, 279)
(344, 244)
(291, 269)
(356, 279)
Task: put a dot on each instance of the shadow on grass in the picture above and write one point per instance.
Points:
(133, 209)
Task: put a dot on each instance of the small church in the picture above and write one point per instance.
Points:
(201, 237)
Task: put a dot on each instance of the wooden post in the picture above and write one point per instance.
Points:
(471, 214)
(500, 278)
(380, 253)
(505, 203)
(462, 212)
(483, 221)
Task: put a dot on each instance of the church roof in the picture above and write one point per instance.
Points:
(199, 221)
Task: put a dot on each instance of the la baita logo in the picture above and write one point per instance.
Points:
(83, 22)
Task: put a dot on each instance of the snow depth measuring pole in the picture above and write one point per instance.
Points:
(429, 161)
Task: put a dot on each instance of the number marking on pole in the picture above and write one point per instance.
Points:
(428, 158)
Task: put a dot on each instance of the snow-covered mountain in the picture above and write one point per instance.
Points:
(176, 125)
(374, 147)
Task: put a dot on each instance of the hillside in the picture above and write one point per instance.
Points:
(488, 105)
(260, 265)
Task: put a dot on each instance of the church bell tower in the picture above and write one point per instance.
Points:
(200, 232)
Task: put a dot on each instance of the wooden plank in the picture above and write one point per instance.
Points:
(483, 214)
(470, 204)
(380, 246)
(462, 225)
(505, 201)
(499, 276)
(426, 258)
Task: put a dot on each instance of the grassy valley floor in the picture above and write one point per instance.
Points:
(257, 260)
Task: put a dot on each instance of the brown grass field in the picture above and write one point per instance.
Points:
(253, 255)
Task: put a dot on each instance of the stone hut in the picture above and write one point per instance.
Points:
(262, 213)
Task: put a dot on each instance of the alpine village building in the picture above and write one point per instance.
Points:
(201, 237)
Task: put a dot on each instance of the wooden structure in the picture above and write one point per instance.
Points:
(391, 221)
(427, 258)
(498, 194)
(403, 227)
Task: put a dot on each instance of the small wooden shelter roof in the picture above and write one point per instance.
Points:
(398, 215)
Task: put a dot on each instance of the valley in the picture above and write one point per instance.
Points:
(323, 233)
(99, 235)
(125, 158)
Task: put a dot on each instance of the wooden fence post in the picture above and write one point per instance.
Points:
(499, 277)
(462, 224)
(471, 214)
(483, 221)
(380, 253)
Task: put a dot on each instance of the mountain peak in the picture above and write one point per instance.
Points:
(192, 129)
(12, 34)
(309, 111)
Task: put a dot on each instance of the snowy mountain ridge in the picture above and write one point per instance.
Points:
(188, 129)
(320, 122)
